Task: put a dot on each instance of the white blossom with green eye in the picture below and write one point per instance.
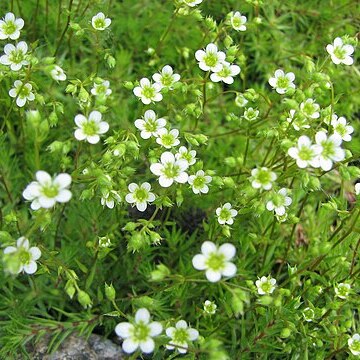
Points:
(341, 128)
(305, 153)
(210, 307)
(58, 74)
(226, 74)
(262, 178)
(180, 336)
(148, 92)
(110, 198)
(104, 242)
(238, 21)
(22, 92)
(192, 3)
(199, 182)
(168, 139)
(102, 89)
(100, 22)
(210, 58)
(281, 82)
(15, 56)
(226, 214)
(215, 260)
(251, 114)
(166, 78)
(342, 290)
(265, 285)
(10, 27)
(340, 53)
(308, 314)
(90, 128)
(185, 154)
(279, 202)
(310, 109)
(21, 257)
(140, 333)
(354, 344)
(150, 125)
(140, 195)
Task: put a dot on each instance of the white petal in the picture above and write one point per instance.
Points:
(63, 180)
(103, 127)
(10, 249)
(193, 334)
(46, 203)
(63, 196)
(93, 139)
(43, 177)
(147, 346)
(31, 267)
(141, 206)
(22, 242)
(79, 135)
(35, 253)
(208, 247)
(228, 250)
(80, 120)
(167, 157)
(181, 324)
(213, 276)
(130, 345)
(155, 328)
(165, 182)
(182, 178)
(198, 262)
(124, 329)
(95, 116)
(229, 270)
(142, 315)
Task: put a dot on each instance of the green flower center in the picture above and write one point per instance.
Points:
(250, 114)
(224, 72)
(148, 92)
(343, 291)
(140, 195)
(23, 92)
(328, 149)
(355, 346)
(236, 21)
(339, 52)
(90, 128)
(215, 261)
(306, 153)
(186, 156)
(150, 126)
(263, 176)
(308, 314)
(16, 56)
(101, 89)
(266, 287)
(99, 23)
(168, 139)
(199, 182)
(180, 336)
(9, 28)
(24, 256)
(141, 331)
(225, 214)
(50, 191)
(309, 108)
(340, 129)
(283, 82)
(171, 171)
(278, 200)
(167, 79)
(211, 59)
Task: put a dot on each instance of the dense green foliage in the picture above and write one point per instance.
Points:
(149, 262)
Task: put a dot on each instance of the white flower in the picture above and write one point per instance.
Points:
(100, 22)
(342, 290)
(251, 114)
(10, 27)
(215, 260)
(167, 138)
(210, 307)
(354, 344)
(211, 58)
(340, 53)
(110, 199)
(226, 214)
(47, 191)
(169, 170)
(180, 335)
(185, 154)
(150, 125)
(102, 89)
(148, 92)
(25, 257)
(15, 56)
(140, 333)
(226, 73)
(240, 100)
(199, 182)
(22, 93)
(310, 109)
(296, 121)
(104, 242)
(329, 149)
(140, 195)
(341, 128)
(265, 285)
(166, 78)
(90, 128)
(279, 202)
(305, 153)
(192, 3)
(357, 188)
(281, 81)
(238, 21)
(262, 178)
(58, 74)
(308, 314)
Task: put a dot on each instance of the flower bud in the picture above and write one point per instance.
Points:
(110, 292)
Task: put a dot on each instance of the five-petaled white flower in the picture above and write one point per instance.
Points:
(100, 22)
(10, 27)
(15, 56)
(166, 78)
(308, 314)
(45, 192)
(340, 53)
(210, 307)
(148, 92)
(226, 214)
(192, 3)
(262, 178)
(281, 82)
(341, 128)
(342, 290)
(90, 128)
(140, 195)
(199, 182)
(170, 169)
(265, 285)
(238, 21)
(22, 93)
(24, 256)
(102, 89)
(150, 125)
(226, 73)
(251, 114)
(329, 149)
(354, 344)
(180, 336)
(211, 58)
(140, 333)
(110, 198)
(185, 154)
(167, 138)
(58, 74)
(305, 153)
(215, 260)
(279, 202)
(310, 109)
